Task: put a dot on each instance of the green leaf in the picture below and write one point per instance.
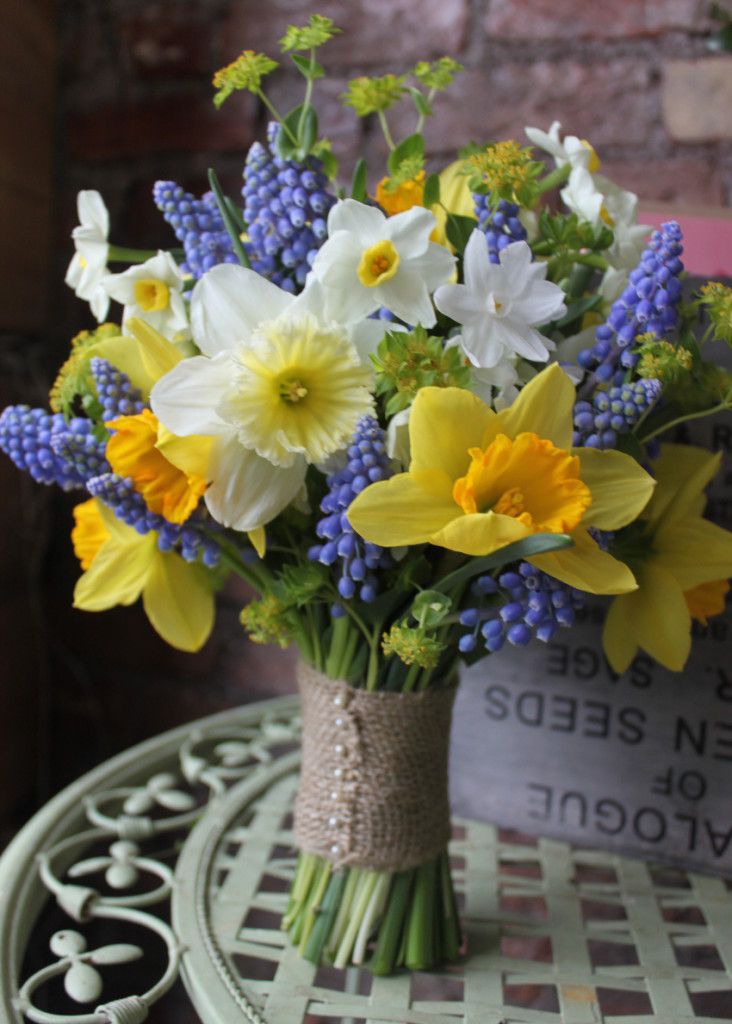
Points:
(430, 607)
(420, 101)
(310, 70)
(459, 230)
(235, 214)
(358, 182)
(578, 309)
(630, 445)
(329, 161)
(307, 131)
(536, 544)
(229, 223)
(289, 132)
(431, 190)
(411, 148)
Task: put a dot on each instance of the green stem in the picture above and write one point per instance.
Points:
(341, 632)
(119, 254)
(371, 915)
(553, 179)
(344, 910)
(314, 904)
(276, 115)
(325, 917)
(421, 924)
(304, 873)
(421, 119)
(450, 922)
(385, 129)
(387, 945)
(684, 419)
(366, 890)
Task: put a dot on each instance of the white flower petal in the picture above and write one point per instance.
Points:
(407, 297)
(93, 212)
(435, 266)
(99, 303)
(228, 303)
(410, 231)
(186, 398)
(525, 341)
(478, 271)
(368, 223)
(460, 303)
(247, 490)
(336, 262)
(542, 303)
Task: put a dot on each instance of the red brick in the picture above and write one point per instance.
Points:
(167, 41)
(609, 103)
(697, 99)
(186, 123)
(683, 180)
(582, 19)
(398, 32)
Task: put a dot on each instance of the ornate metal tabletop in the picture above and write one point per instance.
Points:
(175, 858)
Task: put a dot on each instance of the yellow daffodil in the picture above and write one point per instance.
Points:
(480, 480)
(121, 565)
(675, 555)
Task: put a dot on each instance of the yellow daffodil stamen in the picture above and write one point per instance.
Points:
(151, 294)
(605, 216)
(89, 532)
(379, 263)
(292, 390)
(528, 479)
(706, 600)
(132, 452)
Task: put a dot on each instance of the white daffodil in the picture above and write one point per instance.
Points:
(152, 291)
(89, 263)
(500, 305)
(280, 384)
(371, 260)
(598, 200)
(570, 150)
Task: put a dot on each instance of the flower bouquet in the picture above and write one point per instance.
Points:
(422, 421)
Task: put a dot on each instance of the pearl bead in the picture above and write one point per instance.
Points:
(339, 748)
(339, 722)
(338, 772)
(338, 700)
(334, 795)
(333, 821)
(335, 849)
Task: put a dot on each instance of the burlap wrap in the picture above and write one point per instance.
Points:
(373, 783)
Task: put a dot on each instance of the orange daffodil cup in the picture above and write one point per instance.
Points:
(480, 480)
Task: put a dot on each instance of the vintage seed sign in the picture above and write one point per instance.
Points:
(547, 739)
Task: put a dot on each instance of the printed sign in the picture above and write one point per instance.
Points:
(548, 740)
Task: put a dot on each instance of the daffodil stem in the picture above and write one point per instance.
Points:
(119, 254)
(422, 117)
(385, 129)
(556, 177)
(683, 419)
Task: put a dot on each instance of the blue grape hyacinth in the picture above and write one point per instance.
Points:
(286, 207)
(516, 608)
(598, 423)
(116, 393)
(357, 560)
(26, 435)
(500, 224)
(648, 306)
(197, 224)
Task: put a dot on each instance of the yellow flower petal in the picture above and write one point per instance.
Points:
(455, 193)
(618, 636)
(179, 602)
(126, 355)
(189, 454)
(659, 616)
(443, 424)
(682, 472)
(587, 567)
(159, 356)
(706, 600)
(117, 575)
(544, 407)
(258, 540)
(620, 487)
(480, 533)
(408, 509)
(693, 551)
(89, 533)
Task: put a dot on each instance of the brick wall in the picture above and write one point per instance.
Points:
(637, 77)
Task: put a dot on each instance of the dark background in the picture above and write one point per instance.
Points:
(112, 94)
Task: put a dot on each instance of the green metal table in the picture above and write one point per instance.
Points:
(172, 861)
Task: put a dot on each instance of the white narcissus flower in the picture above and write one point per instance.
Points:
(371, 260)
(598, 200)
(280, 384)
(152, 291)
(89, 263)
(500, 305)
(571, 150)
